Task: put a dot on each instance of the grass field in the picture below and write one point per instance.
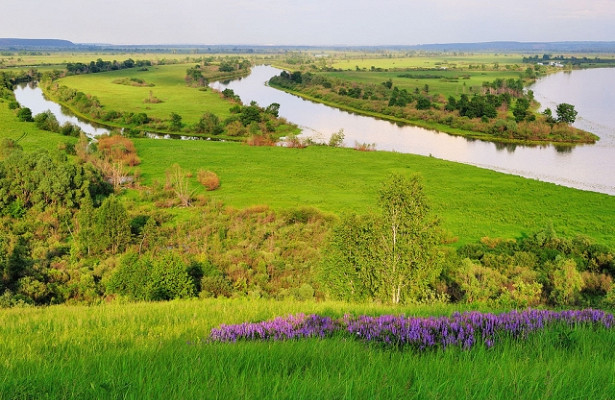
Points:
(472, 202)
(30, 137)
(448, 83)
(401, 61)
(169, 86)
(160, 351)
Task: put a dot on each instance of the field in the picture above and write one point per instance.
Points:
(160, 351)
(471, 202)
(446, 83)
(30, 138)
(168, 85)
(420, 61)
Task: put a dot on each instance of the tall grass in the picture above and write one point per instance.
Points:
(159, 350)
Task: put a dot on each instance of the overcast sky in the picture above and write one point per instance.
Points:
(308, 22)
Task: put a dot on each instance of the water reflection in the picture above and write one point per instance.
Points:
(582, 168)
(31, 96)
(509, 147)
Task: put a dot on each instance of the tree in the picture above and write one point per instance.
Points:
(176, 122)
(178, 183)
(112, 226)
(520, 110)
(392, 256)
(566, 113)
(25, 114)
(408, 254)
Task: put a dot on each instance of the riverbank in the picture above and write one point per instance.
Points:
(434, 126)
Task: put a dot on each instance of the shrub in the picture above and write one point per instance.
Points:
(209, 179)
(25, 115)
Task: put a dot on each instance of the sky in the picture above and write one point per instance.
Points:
(308, 22)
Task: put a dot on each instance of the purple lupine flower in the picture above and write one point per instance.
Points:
(464, 330)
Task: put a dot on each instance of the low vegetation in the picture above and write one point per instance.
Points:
(247, 240)
(497, 111)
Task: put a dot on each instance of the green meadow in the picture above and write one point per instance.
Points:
(160, 351)
(444, 82)
(169, 86)
(421, 60)
(472, 202)
(29, 136)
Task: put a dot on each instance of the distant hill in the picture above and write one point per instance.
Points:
(34, 44)
(575, 47)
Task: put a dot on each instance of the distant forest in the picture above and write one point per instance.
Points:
(532, 47)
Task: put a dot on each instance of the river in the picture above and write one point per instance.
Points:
(31, 96)
(586, 167)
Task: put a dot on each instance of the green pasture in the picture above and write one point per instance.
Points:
(399, 60)
(60, 59)
(447, 83)
(472, 202)
(160, 351)
(29, 136)
(169, 86)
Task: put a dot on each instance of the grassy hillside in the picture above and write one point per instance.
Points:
(160, 351)
(472, 202)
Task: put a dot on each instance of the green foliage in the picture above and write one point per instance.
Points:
(25, 115)
(567, 282)
(393, 256)
(566, 113)
(42, 179)
(164, 277)
(210, 123)
(112, 227)
(47, 121)
(520, 111)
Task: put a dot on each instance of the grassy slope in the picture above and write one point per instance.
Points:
(12, 128)
(472, 202)
(170, 87)
(159, 351)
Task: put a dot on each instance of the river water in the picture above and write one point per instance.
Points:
(31, 96)
(587, 167)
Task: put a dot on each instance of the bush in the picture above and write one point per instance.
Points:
(208, 179)
(25, 115)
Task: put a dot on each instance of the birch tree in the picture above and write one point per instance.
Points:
(409, 260)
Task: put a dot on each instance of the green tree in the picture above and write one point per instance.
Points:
(521, 109)
(25, 114)
(348, 271)
(112, 226)
(392, 256)
(86, 238)
(410, 260)
(176, 122)
(566, 113)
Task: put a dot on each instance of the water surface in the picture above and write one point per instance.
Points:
(587, 167)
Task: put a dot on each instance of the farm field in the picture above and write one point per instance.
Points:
(161, 351)
(422, 60)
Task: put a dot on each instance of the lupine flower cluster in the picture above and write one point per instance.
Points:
(291, 327)
(461, 329)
